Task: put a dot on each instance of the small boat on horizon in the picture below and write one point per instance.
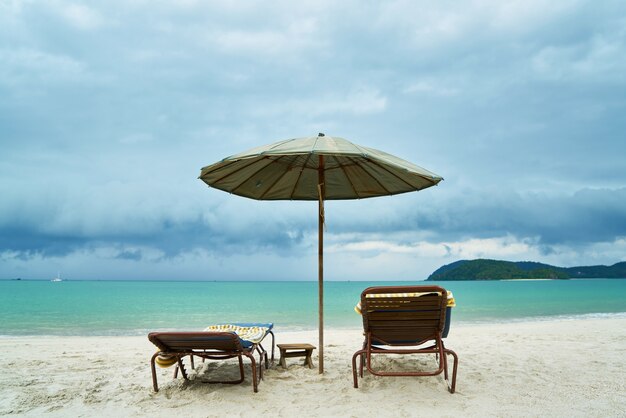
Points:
(57, 279)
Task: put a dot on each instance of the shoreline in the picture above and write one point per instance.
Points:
(547, 368)
(327, 327)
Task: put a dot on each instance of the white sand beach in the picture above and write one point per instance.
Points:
(553, 368)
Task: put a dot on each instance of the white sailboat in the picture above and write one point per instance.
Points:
(57, 279)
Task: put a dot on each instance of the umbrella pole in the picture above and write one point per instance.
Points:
(320, 253)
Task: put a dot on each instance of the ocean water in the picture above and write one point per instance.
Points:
(137, 307)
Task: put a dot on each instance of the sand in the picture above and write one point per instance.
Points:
(553, 368)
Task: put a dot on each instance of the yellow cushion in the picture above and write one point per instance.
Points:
(165, 360)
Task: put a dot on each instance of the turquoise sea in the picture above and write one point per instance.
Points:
(137, 307)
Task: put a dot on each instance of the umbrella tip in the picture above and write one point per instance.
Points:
(321, 134)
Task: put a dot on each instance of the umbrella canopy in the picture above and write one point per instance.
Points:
(289, 170)
(316, 168)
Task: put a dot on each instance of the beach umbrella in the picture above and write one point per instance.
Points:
(316, 168)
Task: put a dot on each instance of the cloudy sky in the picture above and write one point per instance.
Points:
(108, 110)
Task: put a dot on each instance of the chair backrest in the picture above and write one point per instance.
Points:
(187, 341)
(403, 314)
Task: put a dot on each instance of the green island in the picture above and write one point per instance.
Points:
(483, 269)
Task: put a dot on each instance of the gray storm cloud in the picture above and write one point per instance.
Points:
(108, 113)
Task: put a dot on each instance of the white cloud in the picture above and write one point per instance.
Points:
(499, 248)
(358, 101)
(502, 247)
(25, 66)
(137, 138)
(11, 8)
(525, 15)
(430, 88)
(601, 59)
(429, 26)
(600, 253)
(82, 17)
(296, 37)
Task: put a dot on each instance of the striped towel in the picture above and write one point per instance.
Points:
(451, 301)
(252, 334)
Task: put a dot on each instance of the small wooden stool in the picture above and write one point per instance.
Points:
(304, 350)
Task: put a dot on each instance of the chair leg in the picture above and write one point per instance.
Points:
(444, 359)
(452, 387)
(272, 334)
(154, 375)
(362, 361)
(361, 364)
(355, 378)
(262, 354)
(241, 375)
(181, 366)
(254, 373)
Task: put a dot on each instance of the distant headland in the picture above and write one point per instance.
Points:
(482, 269)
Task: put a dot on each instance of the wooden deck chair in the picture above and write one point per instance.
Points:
(404, 320)
(207, 345)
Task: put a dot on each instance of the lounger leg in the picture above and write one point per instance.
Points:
(192, 366)
(452, 387)
(254, 374)
(260, 373)
(362, 361)
(361, 364)
(443, 358)
(272, 334)
(262, 354)
(261, 366)
(181, 366)
(354, 373)
(154, 375)
(241, 375)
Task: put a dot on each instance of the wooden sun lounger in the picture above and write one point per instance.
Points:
(207, 345)
(397, 323)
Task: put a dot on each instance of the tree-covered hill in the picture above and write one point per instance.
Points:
(482, 269)
(616, 271)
